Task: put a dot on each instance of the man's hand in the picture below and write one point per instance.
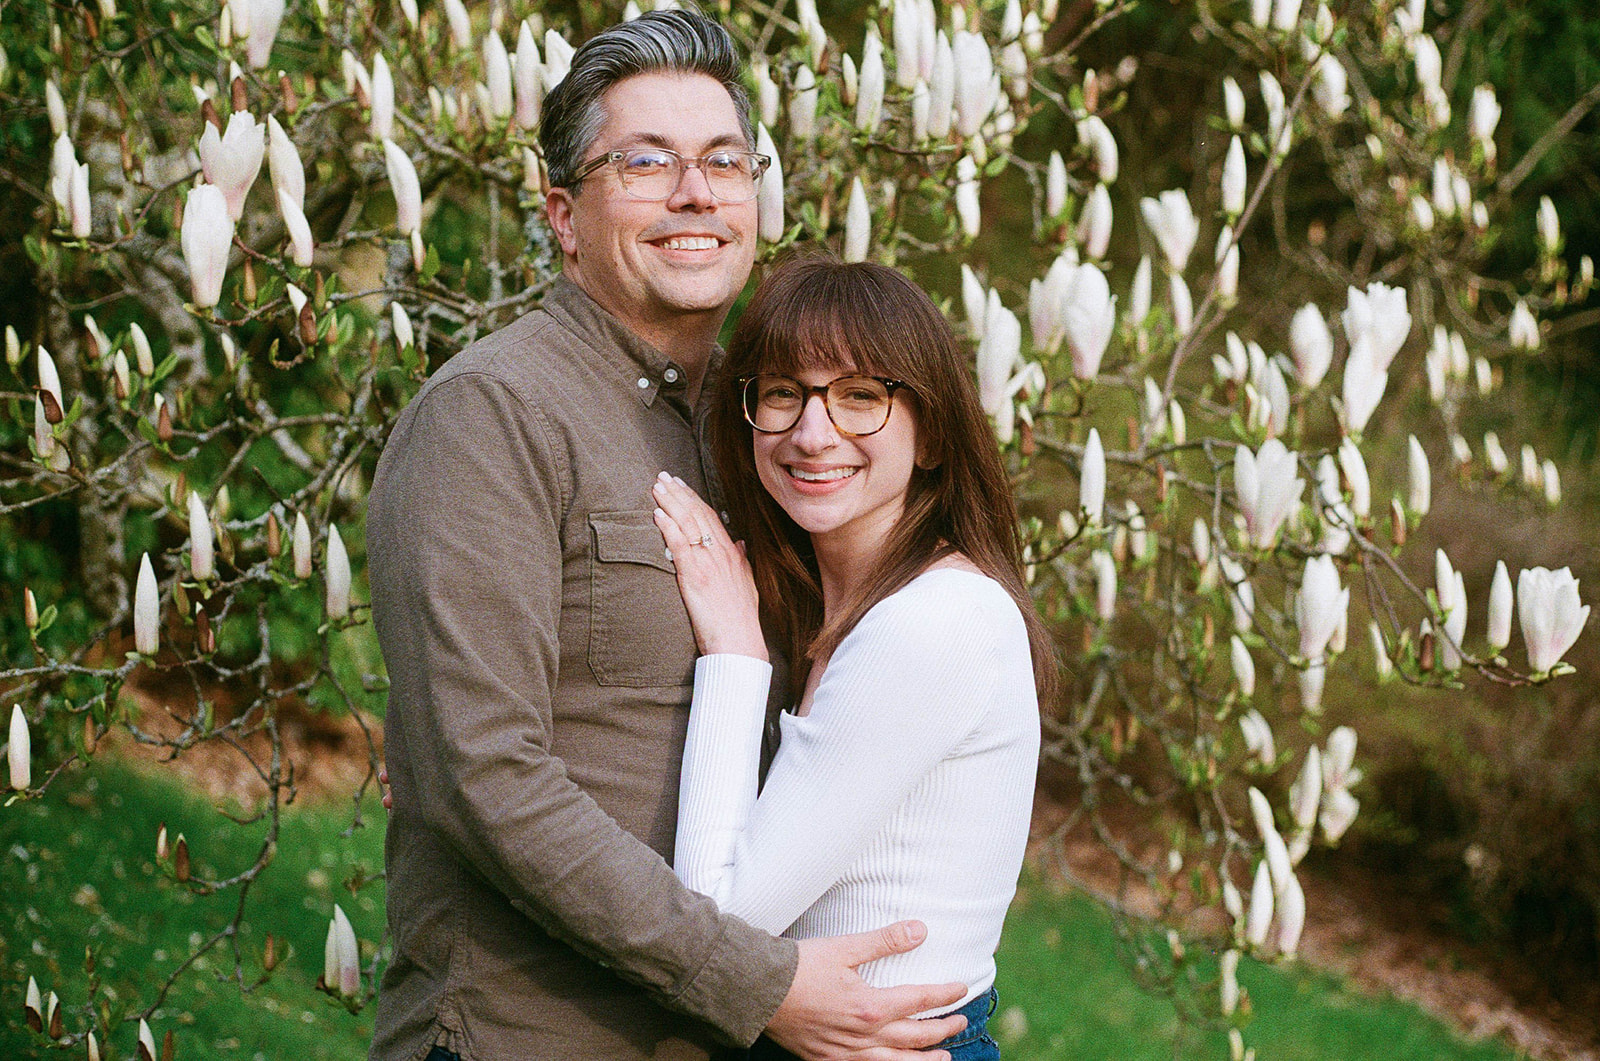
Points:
(831, 1014)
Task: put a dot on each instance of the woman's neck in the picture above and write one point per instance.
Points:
(844, 564)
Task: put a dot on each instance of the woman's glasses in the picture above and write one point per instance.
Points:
(857, 405)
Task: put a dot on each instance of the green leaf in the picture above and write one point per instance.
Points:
(430, 263)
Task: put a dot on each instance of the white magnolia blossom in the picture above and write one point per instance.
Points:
(1278, 130)
(341, 957)
(1055, 185)
(1228, 267)
(202, 553)
(1094, 134)
(19, 757)
(975, 91)
(1139, 293)
(974, 300)
(1105, 585)
(300, 546)
(769, 197)
(968, 208)
(1494, 455)
(1233, 103)
(1550, 613)
(1354, 467)
(1089, 317)
(1419, 496)
(1291, 917)
(261, 21)
(1483, 117)
(146, 610)
(497, 79)
(803, 105)
(401, 321)
(1094, 227)
(1257, 732)
(527, 78)
(1331, 87)
(302, 248)
(232, 160)
(206, 237)
(1242, 596)
(1320, 606)
(1306, 792)
(1274, 849)
(1244, 668)
(767, 91)
(338, 576)
(1173, 224)
(381, 81)
(1380, 652)
(1092, 480)
(288, 173)
(1500, 608)
(1182, 304)
(942, 89)
(1550, 476)
(557, 58)
(869, 93)
(1234, 178)
(999, 353)
(1258, 922)
(1451, 590)
(1269, 487)
(406, 187)
(1311, 345)
(1523, 329)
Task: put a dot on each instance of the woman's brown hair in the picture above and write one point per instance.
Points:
(819, 313)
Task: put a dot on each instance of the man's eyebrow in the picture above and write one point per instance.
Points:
(719, 141)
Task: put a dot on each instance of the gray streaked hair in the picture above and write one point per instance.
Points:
(682, 42)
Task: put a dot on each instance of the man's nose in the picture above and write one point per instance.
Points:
(693, 191)
(814, 431)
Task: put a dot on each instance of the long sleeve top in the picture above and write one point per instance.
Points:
(540, 660)
(905, 792)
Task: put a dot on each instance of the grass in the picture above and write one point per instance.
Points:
(77, 870)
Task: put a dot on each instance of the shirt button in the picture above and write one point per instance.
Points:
(670, 375)
(724, 516)
(644, 384)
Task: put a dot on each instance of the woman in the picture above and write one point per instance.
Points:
(883, 543)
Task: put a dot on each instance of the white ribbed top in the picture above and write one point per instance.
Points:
(905, 793)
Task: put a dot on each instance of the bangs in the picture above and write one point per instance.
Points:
(817, 314)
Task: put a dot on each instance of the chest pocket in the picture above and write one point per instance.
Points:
(639, 632)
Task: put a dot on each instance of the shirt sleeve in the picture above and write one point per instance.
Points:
(903, 690)
(465, 561)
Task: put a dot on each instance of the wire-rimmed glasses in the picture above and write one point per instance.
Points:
(654, 173)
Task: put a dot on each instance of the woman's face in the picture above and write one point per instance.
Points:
(842, 489)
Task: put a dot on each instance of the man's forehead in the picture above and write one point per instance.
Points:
(682, 111)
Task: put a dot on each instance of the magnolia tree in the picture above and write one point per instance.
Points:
(1213, 502)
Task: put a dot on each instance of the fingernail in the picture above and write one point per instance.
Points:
(679, 481)
(664, 477)
(657, 487)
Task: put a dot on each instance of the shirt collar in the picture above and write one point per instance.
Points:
(647, 372)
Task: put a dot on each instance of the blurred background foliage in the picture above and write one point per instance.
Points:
(1481, 806)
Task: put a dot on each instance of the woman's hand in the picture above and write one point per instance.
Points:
(713, 574)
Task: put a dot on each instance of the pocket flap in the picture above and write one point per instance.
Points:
(619, 538)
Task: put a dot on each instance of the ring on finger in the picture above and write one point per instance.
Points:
(704, 540)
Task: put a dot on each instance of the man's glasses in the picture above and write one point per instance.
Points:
(857, 405)
(654, 173)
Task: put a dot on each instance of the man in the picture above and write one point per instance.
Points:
(539, 654)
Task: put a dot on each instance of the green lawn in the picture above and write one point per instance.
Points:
(66, 863)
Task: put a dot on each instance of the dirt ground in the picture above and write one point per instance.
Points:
(1356, 928)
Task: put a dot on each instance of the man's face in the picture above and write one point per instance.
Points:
(659, 266)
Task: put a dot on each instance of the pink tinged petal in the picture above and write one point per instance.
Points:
(858, 224)
(1258, 922)
(81, 212)
(1319, 605)
(1277, 853)
(1500, 607)
(1244, 667)
(338, 576)
(1339, 810)
(202, 562)
(19, 751)
(407, 189)
(1092, 486)
(1312, 680)
(1311, 345)
(300, 244)
(1306, 791)
(525, 68)
(288, 173)
(300, 546)
(265, 18)
(382, 96)
(1089, 316)
(206, 238)
(232, 161)
(974, 93)
(349, 954)
(1291, 916)
(1364, 384)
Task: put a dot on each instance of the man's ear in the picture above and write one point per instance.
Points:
(558, 210)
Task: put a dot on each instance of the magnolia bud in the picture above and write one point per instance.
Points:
(180, 859)
(201, 552)
(30, 610)
(19, 751)
(269, 953)
(274, 536)
(338, 576)
(857, 224)
(162, 850)
(1500, 606)
(52, 1016)
(147, 1042)
(300, 546)
(1258, 922)
(146, 610)
(205, 641)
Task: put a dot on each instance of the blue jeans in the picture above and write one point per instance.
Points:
(973, 1043)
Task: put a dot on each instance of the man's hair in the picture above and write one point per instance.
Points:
(678, 42)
